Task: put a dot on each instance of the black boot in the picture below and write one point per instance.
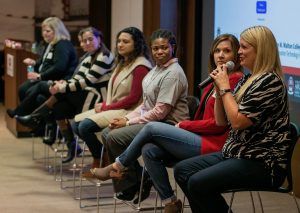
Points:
(11, 113)
(72, 149)
(34, 119)
(51, 137)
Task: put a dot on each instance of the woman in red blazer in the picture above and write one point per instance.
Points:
(162, 144)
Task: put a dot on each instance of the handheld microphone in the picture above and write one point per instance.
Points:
(230, 66)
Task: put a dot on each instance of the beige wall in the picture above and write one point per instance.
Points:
(125, 13)
(16, 20)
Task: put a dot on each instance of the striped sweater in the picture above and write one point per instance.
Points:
(90, 74)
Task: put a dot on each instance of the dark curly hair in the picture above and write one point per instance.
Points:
(163, 33)
(140, 46)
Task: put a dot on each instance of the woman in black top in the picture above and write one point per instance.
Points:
(58, 61)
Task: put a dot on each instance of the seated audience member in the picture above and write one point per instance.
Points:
(255, 153)
(124, 90)
(162, 144)
(164, 99)
(80, 93)
(58, 61)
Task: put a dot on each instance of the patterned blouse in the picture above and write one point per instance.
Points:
(267, 140)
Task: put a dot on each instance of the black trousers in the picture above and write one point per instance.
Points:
(31, 95)
(205, 177)
(69, 104)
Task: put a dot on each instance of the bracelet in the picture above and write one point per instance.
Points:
(217, 95)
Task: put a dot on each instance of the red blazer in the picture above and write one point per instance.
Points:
(204, 123)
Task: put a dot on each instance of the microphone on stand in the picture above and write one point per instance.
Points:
(230, 66)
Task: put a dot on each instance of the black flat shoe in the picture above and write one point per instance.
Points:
(128, 194)
(48, 141)
(71, 154)
(51, 137)
(147, 185)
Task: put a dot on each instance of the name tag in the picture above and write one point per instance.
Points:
(50, 55)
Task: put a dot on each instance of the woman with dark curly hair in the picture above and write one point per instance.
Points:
(124, 90)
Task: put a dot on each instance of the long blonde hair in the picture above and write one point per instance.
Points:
(267, 56)
(60, 30)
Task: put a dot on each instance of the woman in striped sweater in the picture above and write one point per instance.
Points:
(124, 90)
(81, 92)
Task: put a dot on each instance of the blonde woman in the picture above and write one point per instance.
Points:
(78, 94)
(255, 153)
(58, 61)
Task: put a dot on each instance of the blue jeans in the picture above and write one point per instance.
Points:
(161, 144)
(86, 130)
(204, 178)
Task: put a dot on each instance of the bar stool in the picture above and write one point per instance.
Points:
(289, 177)
(93, 183)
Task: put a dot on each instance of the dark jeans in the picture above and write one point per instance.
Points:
(204, 178)
(86, 130)
(28, 95)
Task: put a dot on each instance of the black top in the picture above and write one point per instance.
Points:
(59, 63)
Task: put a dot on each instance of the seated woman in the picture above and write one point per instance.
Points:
(57, 62)
(124, 90)
(255, 153)
(164, 99)
(162, 144)
(79, 93)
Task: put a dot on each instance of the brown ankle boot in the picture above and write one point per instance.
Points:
(173, 207)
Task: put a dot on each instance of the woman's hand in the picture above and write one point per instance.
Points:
(29, 61)
(55, 88)
(177, 125)
(221, 79)
(61, 81)
(33, 76)
(118, 123)
(98, 107)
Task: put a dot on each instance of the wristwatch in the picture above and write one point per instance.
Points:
(224, 91)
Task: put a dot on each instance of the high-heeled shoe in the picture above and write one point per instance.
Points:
(108, 172)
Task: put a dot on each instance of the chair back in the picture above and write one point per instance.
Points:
(294, 138)
(193, 104)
